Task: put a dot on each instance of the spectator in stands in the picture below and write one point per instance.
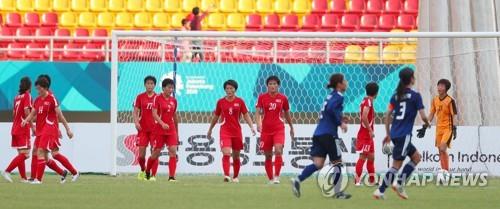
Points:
(185, 50)
(195, 19)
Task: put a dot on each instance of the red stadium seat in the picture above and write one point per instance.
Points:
(31, 20)
(330, 22)
(338, 6)
(357, 6)
(99, 33)
(374, 6)
(350, 22)
(368, 22)
(337, 51)
(253, 22)
(13, 20)
(62, 32)
(72, 51)
(406, 22)
(36, 51)
(262, 52)
(319, 6)
(16, 50)
(393, 7)
(272, 22)
(81, 33)
(310, 22)
(290, 23)
(386, 22)
(43, 32)
(411, 7)
(317, 53)
(24, 32)
(93, 52)
(6, 32)
(49, 19)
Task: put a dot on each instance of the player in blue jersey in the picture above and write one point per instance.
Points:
(402, 111)
(325, 136)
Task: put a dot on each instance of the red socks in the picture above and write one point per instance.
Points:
(278, 162)
(40, 169)
(236, 167)
(359, 169)
(444, 161)
(142, 163)
(65, 162)
(370, 166)
(53, 165)
(22, 169)
(154, 168)
(149, 164)
(268, 164)
(226, 164)
(34, 164)
(172, 166)
(15, 163)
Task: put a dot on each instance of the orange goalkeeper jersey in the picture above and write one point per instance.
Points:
(444, 109)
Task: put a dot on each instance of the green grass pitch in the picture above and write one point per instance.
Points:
(126, 192)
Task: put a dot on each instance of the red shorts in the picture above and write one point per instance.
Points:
(233, 142)
(21, 141)
(47, 142)
(144, 139)
(267, 141)
(161, 140)
(365, 146)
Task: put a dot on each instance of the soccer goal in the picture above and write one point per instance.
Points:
(199, 63)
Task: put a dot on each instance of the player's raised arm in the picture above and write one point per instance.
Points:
(63, 120)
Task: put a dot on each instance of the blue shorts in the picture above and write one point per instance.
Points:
(326, 145)
(402, 147)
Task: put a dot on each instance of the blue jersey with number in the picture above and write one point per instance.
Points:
(330, 115)
(404, 112)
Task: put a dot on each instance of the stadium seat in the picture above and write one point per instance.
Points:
(105, 19)
(172, 5)
(16, 50)
(154, 6)
(68, 19)
(24, 32)
(61, 5)
(177, 19)
(43, 32)
(386, 22)
(349, 22)
(31, 20)
(135, 5)
(406, 22)
(374, 6)
(397, 41)
(317, 53)
(142, 20)
(212, 5)
(264, 6)
(338, 6)
(330, 22)
(310, 22)
(93, 52)
(272, 22)
(188, 5)
(228, 6)
(116, 5)
(393, 7)
(235, 21)
(290, 22)
(353, 54)
(357, 6)
(282, 6)
(98, 6)
(62, 32)
(36, 51)
(13, 20)
(253, 22)
(100, 33)
(371, 55)
(409, 53)
(217, 21)
(368, 22)
(79, 5)
(25, 5)
(391, 55)
(87, 19)
(81, 33)
(43, 5)
(301, 6)
(8, 5)
(320, 6)
(411, 7)
(72, 51)
(124, 20)
(4, 31)
(161, 20)
(50, 20)
(246, 6)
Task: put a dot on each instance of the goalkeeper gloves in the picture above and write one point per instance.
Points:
(454, 132)
(421, 132)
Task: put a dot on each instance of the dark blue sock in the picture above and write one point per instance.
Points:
(337, 178)
(406, 173)
(388, 179)
(308, 171)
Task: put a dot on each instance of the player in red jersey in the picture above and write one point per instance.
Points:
(145, 123)
(165, 132)
(230, 109)
(364, 142)
(274, 106)
(20, 135)
(47, 112)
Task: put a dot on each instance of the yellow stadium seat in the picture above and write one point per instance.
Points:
(161, 20)
(235, 21)
(87, 19)
(188, 5)
(43, 5)
(217, 21)
(135, 5)
(25, 5)
(301, 6)
(7, 5)
(246, 6)
(79, 5)
(391, 54)
(409, 54)
(265, 6)
(154, 6)
(142, 20)
(124, 20)
(282, 6)
(106, 20)
(67, 19)
(176, 20)
(212, 5)
(116, 5)
(172, 5)
(353, 54)
(98, 6)
(61, 5)
(413, 41)
(372, 55)
(228, 6)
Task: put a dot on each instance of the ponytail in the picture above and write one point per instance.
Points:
(405, 76)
